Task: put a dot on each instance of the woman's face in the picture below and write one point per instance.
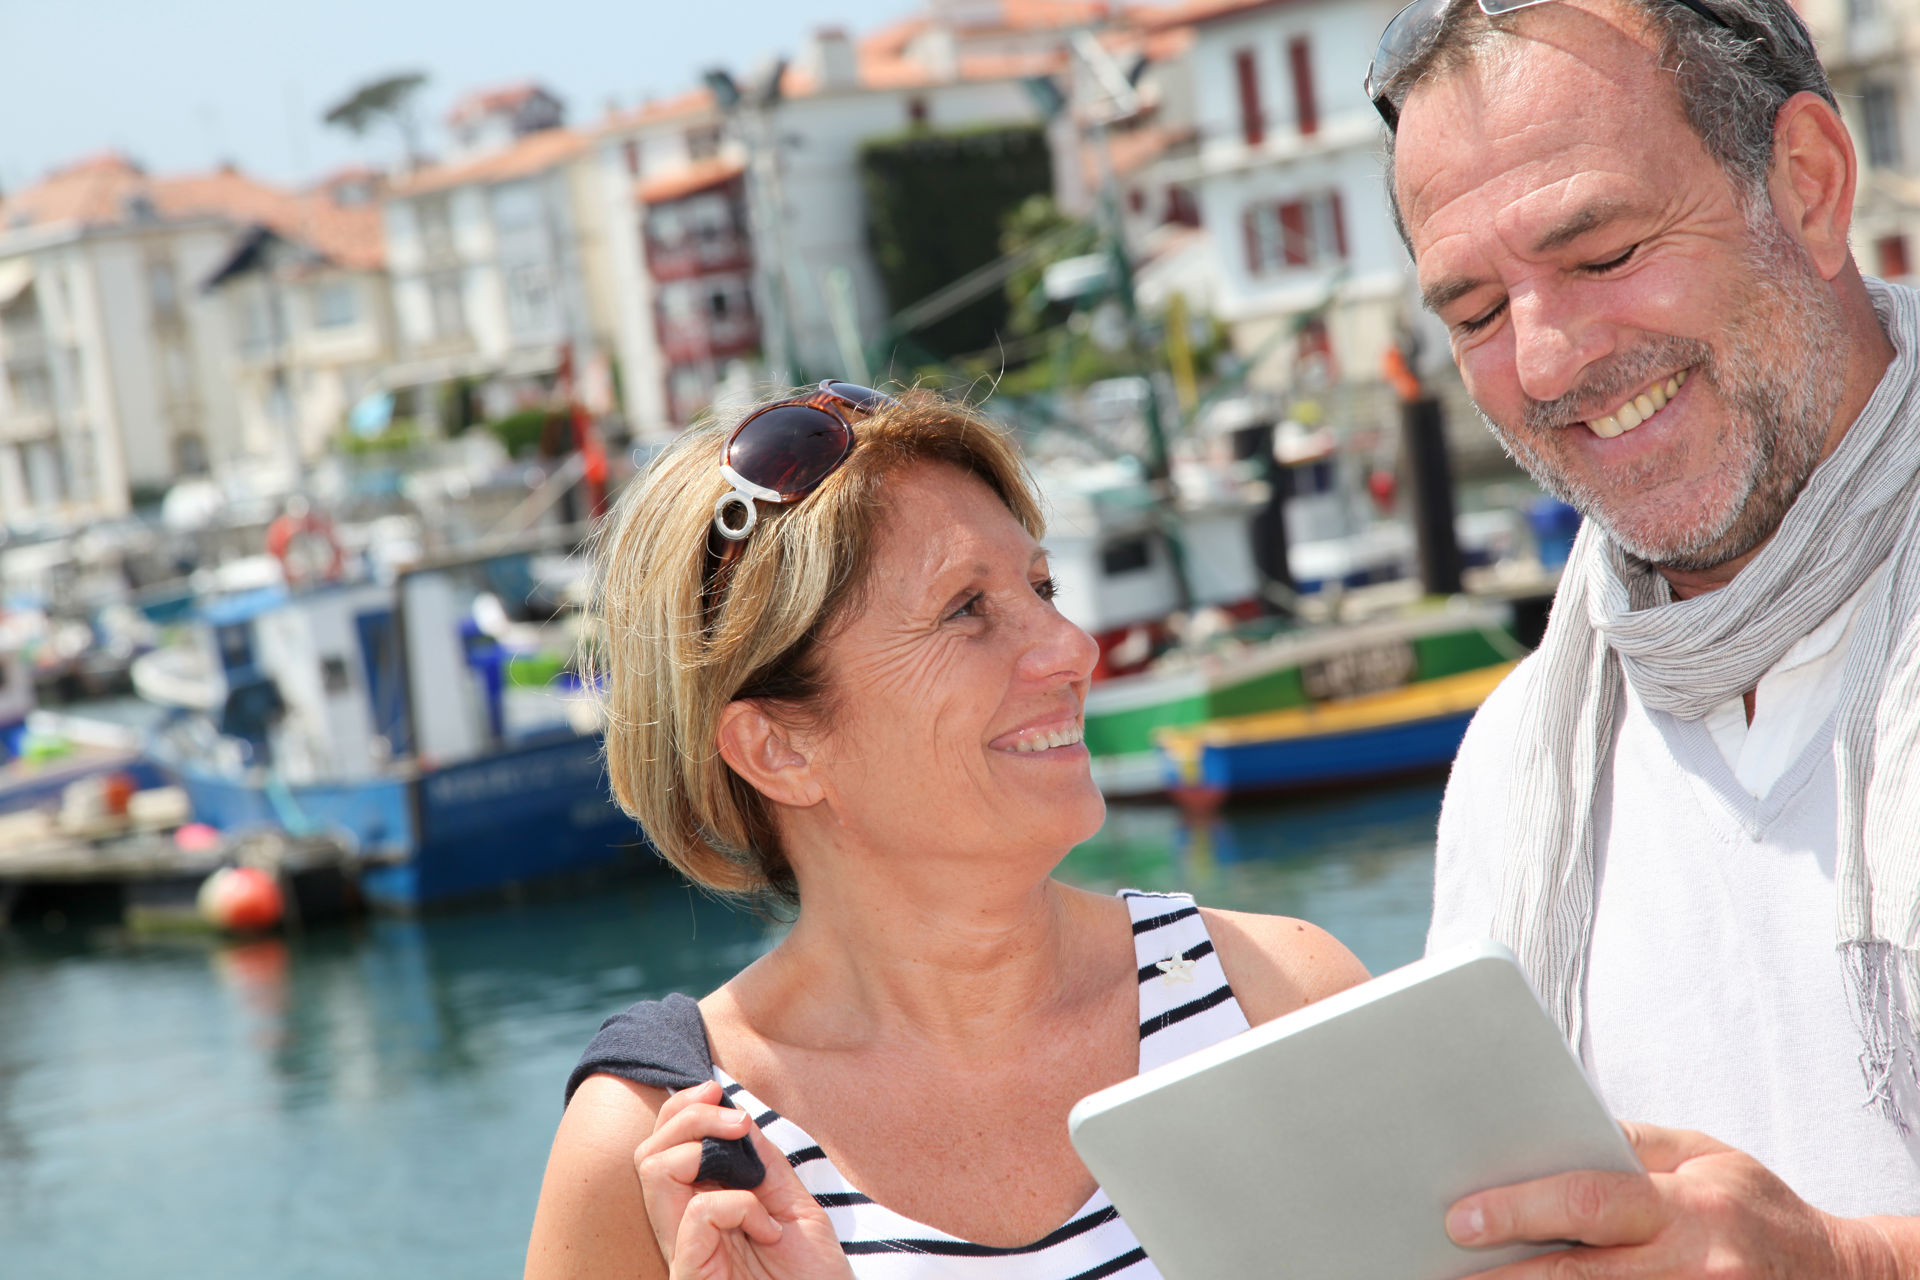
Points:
(950, 681)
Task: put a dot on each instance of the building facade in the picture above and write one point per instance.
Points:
(496, 256)
(122, 371)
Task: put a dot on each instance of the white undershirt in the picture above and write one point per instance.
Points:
(1791, 704)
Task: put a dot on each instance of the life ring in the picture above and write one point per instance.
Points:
(306, 548)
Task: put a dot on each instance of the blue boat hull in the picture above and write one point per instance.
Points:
(1323, 759)
(512, 818)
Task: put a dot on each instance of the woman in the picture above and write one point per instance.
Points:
(837, 680)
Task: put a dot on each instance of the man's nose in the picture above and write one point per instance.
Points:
(1554, 340)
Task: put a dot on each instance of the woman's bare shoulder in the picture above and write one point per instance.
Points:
(1278, 964)
(591, 1220)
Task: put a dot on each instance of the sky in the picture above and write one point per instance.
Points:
(182, 85)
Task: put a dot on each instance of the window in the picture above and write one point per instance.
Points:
(1253, 126)
(1306, 111)
(1126, 555)
(449, 307)
(917, 112)
(335, 305)
(630, 150)
(1306, 232)
(703, 143)
(1880, 105)
(530, 300)
(258, 330)
(189, 453)
(1892, 253)
(435, 216)
(32, 389)
(163, 289)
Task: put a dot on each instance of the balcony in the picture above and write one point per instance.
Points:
(699, 255)
(698, 341)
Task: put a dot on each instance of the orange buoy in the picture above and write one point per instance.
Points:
(241, 899)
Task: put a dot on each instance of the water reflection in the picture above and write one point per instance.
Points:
(379, 1100)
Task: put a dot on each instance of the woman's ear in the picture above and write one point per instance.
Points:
(768, 754)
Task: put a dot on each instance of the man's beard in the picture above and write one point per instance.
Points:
(1778, 373)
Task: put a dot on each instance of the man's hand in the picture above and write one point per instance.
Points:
(1701, 1209)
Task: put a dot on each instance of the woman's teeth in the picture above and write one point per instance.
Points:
(1639, 409)
(1047, 741)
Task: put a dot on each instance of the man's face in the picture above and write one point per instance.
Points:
(1649, 352)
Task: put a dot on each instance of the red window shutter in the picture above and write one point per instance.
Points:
(1249, 222)
(1339, 215)
(1306, 111)
(1297, 248)
(1253, 125)
(1893, 256)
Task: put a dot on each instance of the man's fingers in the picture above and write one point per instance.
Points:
(1577, 1264)
(1665, 1150)
(1591, 1207)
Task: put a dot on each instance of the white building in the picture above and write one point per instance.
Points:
(120, 369)
(497, 256)
(1871, 49)
(794, 147)
(311, 318)
(1285, 173)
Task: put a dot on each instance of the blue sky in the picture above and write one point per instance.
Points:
(183, 84)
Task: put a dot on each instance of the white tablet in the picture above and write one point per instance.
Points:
(1329, 1144)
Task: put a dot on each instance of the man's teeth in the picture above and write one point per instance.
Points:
(1639, 409)
(1047, 741)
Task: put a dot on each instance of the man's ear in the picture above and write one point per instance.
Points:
(1813, 179)
(770, 755)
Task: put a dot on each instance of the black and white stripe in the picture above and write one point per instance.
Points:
(1179, 1013)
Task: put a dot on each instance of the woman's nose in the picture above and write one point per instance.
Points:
(1057, 648)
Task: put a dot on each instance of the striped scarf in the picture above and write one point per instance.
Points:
(1614, 618)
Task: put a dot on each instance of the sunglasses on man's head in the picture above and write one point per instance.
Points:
(1407, 35)
(780, 453)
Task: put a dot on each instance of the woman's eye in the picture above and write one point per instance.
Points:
(1047, 588)
(969, 608)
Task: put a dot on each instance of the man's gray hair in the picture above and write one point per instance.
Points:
(1732, 80)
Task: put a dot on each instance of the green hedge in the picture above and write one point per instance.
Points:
(936, 202)
(520, 432)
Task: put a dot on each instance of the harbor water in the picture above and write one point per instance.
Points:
(378, 1101)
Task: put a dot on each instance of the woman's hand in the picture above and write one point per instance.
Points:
(774, 1232)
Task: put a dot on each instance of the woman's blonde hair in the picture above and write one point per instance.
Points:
(670, 671)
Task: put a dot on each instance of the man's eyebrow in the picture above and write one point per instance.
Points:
(1590, 218)
(1436, 296)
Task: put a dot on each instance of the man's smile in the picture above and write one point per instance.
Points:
(1638, 409)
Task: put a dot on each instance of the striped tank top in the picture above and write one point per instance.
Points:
(1185, 1004)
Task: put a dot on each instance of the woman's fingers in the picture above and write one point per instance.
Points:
(710, 1217)
(668, 1161)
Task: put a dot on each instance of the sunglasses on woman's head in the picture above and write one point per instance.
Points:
(780, 453)
(1407, 35)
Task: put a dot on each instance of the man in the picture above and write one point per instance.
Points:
(1695, 812)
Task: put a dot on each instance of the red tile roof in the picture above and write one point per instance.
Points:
(106, 190)
(483, 102)
(688, 179)
(535, 153)
(695, 102)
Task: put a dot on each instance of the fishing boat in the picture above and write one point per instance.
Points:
(1399, 731)
(443, 738)
(1295, 671)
